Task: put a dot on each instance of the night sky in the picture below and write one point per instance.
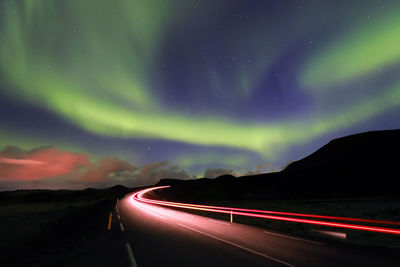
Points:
(96, 93)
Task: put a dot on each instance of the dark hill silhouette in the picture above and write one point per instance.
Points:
(361, 165)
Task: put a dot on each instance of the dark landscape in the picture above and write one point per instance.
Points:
(60, 227)
(69, 227)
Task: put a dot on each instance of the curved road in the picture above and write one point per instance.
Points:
(159, 236)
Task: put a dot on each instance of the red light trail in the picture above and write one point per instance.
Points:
(139, 196)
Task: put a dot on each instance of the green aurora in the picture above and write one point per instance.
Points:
(96, 67)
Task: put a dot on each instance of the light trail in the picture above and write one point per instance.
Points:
(139, 196)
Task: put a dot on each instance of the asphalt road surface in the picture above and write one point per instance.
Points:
(159, 236)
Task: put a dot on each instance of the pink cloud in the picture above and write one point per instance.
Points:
(49, 167)
(39, 163)
(21, 161)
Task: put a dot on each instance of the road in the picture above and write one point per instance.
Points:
(160, 236)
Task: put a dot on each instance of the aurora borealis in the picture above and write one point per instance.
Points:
(194, 85)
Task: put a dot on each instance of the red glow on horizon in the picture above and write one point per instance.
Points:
(40, 164)
(53, 166)
(139, 196)
(21, 161)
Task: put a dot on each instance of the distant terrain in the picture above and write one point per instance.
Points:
(361, 165)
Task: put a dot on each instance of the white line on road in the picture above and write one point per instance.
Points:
(332, 233)
(119, 218)
(236, 245)
(221, 222)
(122, 227)
(130, 255)
(292, 237)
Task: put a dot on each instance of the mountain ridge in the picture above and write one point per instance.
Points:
(360, 165)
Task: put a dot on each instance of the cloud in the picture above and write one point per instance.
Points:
(49, 167)
(155, 171)
(100, 171)
(21, 161)
(39, 163)
(262, 166)
(215, 172)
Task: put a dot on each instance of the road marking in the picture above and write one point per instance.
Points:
(221, 222)
(121, 226)
(116, 205)
(340, 235)
(119, 218)
(236, 245)
(130, 255)
(109, 221)
(292, 237)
